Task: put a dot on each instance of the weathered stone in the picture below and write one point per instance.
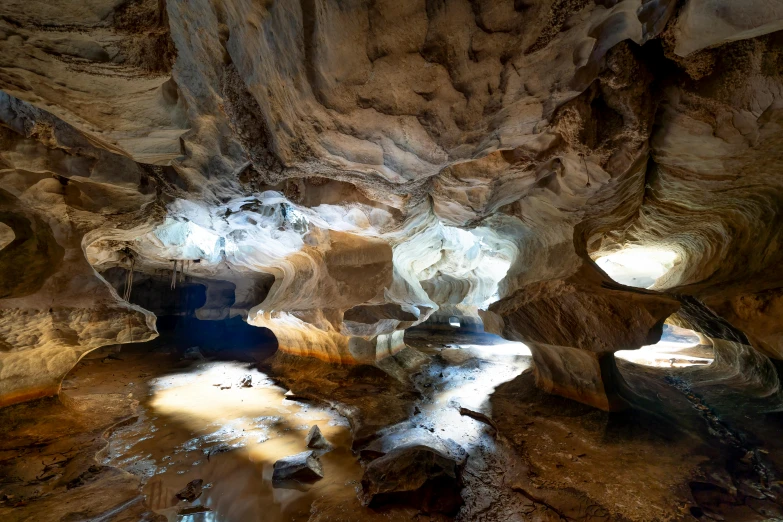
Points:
(302, 467)
(191, 491)
(316, 440)
(415, 475)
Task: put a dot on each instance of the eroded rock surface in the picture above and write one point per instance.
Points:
(302, 467)
(341, 172)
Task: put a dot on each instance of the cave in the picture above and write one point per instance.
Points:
(485, 260)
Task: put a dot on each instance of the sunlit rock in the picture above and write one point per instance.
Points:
(302, 467)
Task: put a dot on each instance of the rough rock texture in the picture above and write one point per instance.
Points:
(302, 467)
(340, 171)
(415, 475)
(316, 440)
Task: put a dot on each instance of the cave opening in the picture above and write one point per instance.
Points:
(678, 348)
(640, 266)
(645, 267)
(191, 318)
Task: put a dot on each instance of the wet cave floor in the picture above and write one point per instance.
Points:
(132, 428)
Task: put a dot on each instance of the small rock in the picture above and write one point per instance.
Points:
(316, 440)
(225, 386)
(192, 491)
(748, 458)
(302, 467)
(297, 398)
(193, 510)
(480, 417)
(246, 382)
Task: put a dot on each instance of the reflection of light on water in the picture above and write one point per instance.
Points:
(470, 385)
(209, 516)
(197, 427)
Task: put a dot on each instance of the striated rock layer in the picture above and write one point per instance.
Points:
(338, 172)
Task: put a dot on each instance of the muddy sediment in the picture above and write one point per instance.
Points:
(136, 433)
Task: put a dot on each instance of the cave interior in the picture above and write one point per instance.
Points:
(391, 260)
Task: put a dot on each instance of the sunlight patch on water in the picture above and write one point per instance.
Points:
(475, 370)
(202, 423)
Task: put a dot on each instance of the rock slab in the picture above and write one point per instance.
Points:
(414, 475)
(302, 467)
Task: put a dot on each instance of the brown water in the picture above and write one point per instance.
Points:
(191, 427)
(195, 421)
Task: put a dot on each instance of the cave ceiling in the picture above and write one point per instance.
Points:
(340, 170)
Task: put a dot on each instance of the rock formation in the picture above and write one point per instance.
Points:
(338, 172)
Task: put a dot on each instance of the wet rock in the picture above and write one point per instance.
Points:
(297, 398)
(316, 440)
(302, 467)
(416, 475)
(409, 436)
(479, 417)
(192, 491)
(193, 510)
(246, 382)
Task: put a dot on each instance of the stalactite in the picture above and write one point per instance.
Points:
(129, 280)
(174, 276)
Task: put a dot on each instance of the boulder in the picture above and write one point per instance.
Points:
(302, 467)
(416, 475)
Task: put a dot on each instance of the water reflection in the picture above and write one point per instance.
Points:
(201, 423)
(468, 375)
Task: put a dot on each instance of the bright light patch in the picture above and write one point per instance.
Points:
(471, 386)
(188, 240)
(677, 348)
(638, 267)
(499, 348)
(454, 321)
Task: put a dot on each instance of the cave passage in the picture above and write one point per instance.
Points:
(391, 261)
(678, 348)
(224, 337)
